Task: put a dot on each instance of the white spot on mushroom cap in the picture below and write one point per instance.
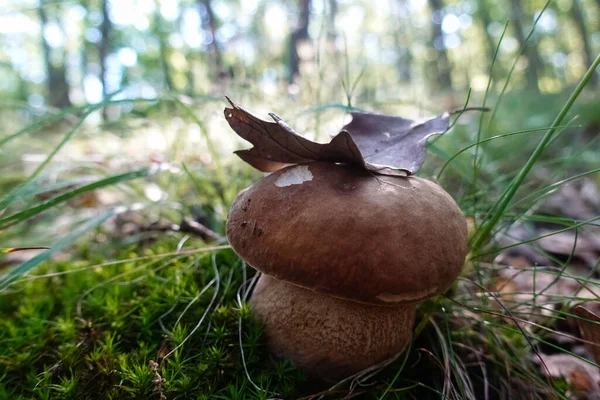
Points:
(294, 176)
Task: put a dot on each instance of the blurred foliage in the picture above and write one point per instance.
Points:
(57, 53)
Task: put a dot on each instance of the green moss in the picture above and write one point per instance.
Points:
(95, 333)
(83, 334)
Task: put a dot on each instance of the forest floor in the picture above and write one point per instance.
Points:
(140, 296)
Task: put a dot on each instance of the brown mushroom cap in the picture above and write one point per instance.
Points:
(342, 231)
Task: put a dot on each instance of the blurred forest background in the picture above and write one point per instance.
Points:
(55, 54)
(91, 88)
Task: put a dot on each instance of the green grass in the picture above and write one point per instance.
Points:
(86, 318)
(95, 331)
(75, 330)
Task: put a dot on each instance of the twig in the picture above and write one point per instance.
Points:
(192, 227)
(157, 380)
(332, 392)
(461, 110)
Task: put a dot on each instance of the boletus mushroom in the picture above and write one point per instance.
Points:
(346, 255)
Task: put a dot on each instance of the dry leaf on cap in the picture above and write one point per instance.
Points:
(379, 143)
(589, 326)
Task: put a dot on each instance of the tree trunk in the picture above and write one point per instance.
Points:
(534, 61)
(577, 15)
(490, 43)
(404, 60)
(190, 57)
(297, 36)
(103, 51)
(163, 49)
(333, 8)
(164, 61)
(214, 46)
(56, 77)
(442, 65)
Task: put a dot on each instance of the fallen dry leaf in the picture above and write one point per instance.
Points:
(584, 245)
(582, 376)
(578, 200)
(581, 382)
(549, 282)
(537, 292)
(589, 326)
(380, 143)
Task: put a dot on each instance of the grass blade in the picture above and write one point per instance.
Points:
(38, 124)
(77, 233)
(512, 68)
(110, 181)
(496, 137)
(483, 233)
(485, 96)
(14, 249)
(11, 196)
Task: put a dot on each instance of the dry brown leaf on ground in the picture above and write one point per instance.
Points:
(516, 234)
(578, 200)
(589, 326)
(583, 377)
(549, 282)
(542, 242)
(584, 245)
(538, 291)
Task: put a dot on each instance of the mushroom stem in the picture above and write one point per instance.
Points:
(330, 337)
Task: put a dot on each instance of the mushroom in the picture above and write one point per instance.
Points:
(346, 255)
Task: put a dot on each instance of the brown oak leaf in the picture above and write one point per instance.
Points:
(379, 143)
(589, 325)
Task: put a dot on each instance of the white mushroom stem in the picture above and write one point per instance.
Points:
(330, 337)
